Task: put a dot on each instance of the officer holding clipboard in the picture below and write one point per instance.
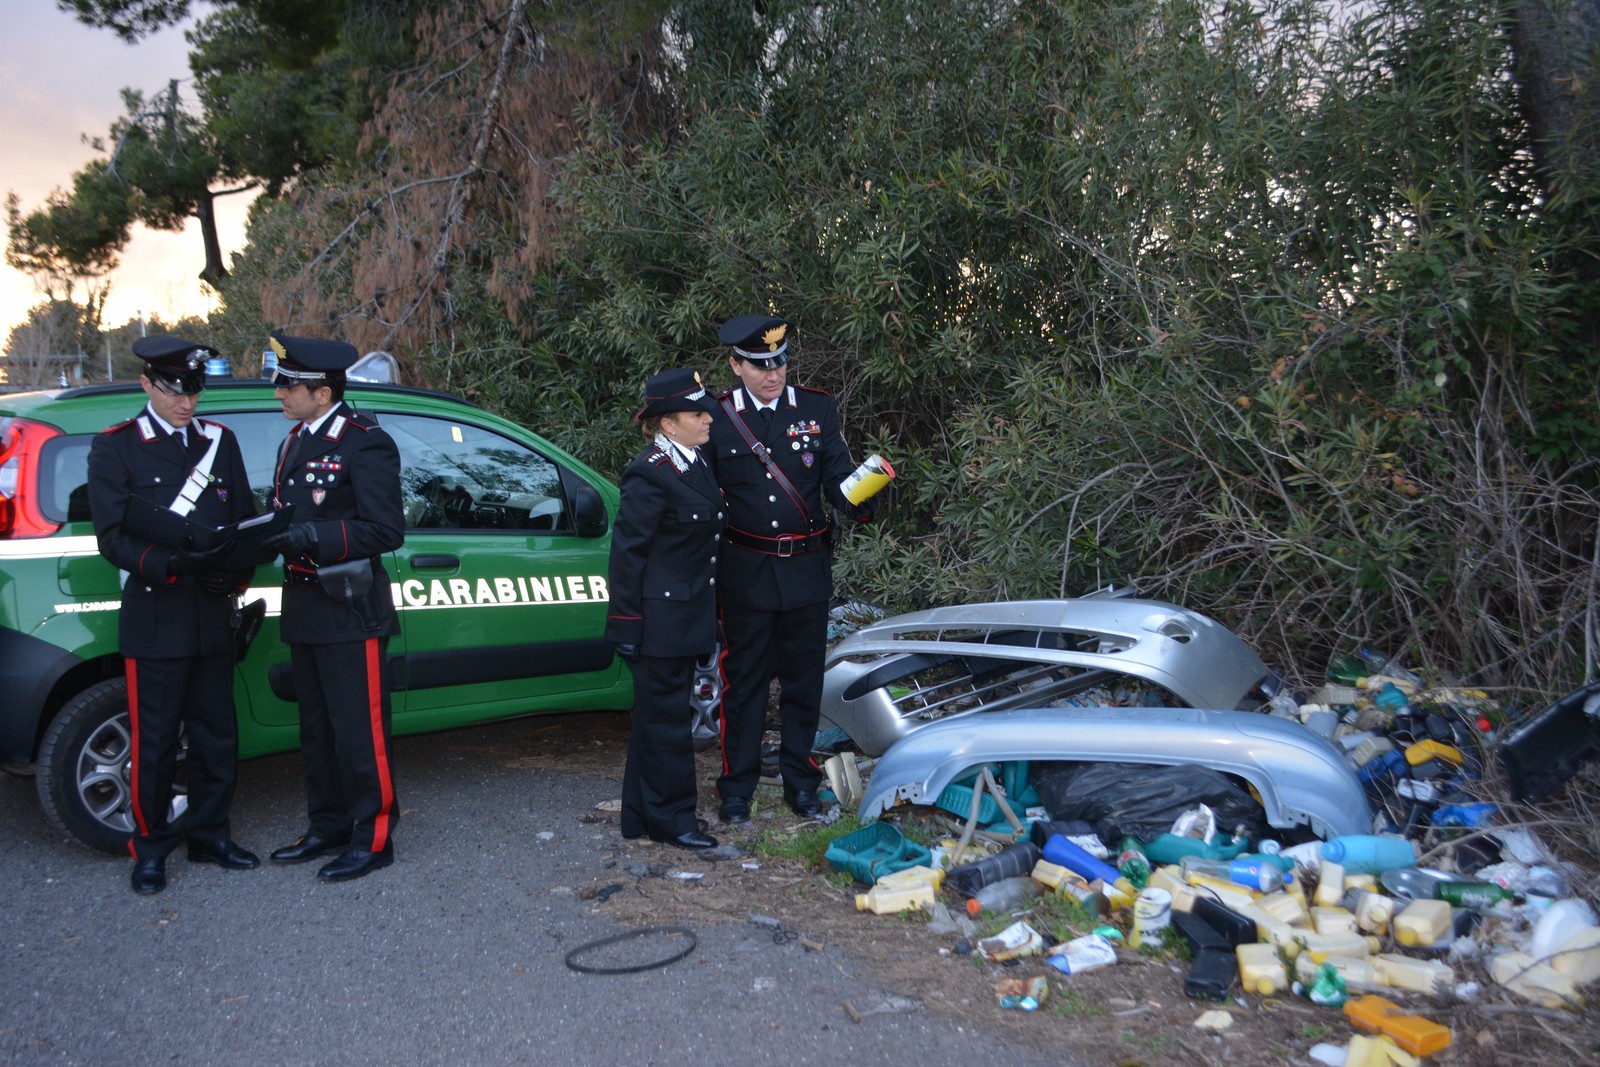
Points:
(173, 630)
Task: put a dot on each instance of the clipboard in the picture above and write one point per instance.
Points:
(162, 526)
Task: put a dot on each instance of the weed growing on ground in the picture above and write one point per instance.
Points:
(806, 844)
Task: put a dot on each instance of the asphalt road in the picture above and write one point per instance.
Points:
(454, 955)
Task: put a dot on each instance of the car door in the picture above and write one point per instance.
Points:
(502, 600)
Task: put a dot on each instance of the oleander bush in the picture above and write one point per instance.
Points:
(1264, 305)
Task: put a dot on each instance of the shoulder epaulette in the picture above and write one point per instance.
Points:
(119, 426)
(810, 389)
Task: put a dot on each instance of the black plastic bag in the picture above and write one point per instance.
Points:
(1123, 798)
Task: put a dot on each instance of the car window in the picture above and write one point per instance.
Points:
(64, 478)
(463, 477)
(259, 434)
(64, 463)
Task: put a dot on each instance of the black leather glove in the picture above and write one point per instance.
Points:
(297, 540)
(195, 562)
(629, 653)
(223, 583)
(862, 512)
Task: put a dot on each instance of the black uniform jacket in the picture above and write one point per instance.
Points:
(664, 550)
(163, 615)
(345, 480)
(808, 447)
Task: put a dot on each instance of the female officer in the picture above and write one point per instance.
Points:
(663, 615)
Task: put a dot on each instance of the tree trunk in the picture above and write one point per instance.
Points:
(1557, 44)
(205, 211)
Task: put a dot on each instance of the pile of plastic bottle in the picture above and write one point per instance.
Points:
(1419, 751)
(1351, 923)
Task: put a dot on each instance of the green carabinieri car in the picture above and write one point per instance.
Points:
(500, 585)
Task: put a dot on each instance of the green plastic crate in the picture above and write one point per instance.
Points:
(875, 850)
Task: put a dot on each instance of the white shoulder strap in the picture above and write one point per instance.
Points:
(200, 477)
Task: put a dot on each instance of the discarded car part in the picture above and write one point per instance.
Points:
(1301, 778)
(893, 677)
(705, 698)
(1543, 753)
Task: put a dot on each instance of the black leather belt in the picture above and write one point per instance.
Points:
(294, 577)
(782, 545)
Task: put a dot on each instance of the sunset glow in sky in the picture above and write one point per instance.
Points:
(61, 81)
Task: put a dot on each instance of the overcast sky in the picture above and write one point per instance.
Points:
(62, 80)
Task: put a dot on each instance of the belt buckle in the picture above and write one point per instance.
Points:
(786, 545)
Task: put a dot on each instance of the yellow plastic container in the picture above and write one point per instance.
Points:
(1170, 878)
(1286, 907)
(1418, 1036)
(1055, 877)
(1377, 1051)
(1418, 976)
(1538, 982)
(1333, 921)
(1423, 751)
(911, 876)
(1422, 923)
(1272, 930)
(893, 900)
(1578, 957)
(1373, 911)
(1261, 969)
(1358, 972)
(1350, 944)
(1232, 894)
(1330, 884)
(867, 480)
(1360, 881)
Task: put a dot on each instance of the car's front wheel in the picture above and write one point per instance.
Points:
(84, 769)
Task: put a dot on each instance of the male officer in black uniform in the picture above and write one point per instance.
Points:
(775, 578)
(173, 629)
(342, 474)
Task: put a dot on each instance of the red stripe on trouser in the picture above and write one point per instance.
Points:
(380, 754)
(131, 669)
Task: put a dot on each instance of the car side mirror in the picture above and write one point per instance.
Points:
(589, 512)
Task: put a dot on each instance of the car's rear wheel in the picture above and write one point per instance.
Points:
(84, 769)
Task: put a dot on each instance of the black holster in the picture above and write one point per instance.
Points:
(351, 583)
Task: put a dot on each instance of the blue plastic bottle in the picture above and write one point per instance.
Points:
(1369, 853)
(1063, 852)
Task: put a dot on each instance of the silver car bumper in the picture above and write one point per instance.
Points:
(894, 677)
(1302, 779)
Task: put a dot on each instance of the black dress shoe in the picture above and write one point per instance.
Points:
(803, 802)
(694, 839)
(309, 847)
(149, 876)
(356, 863)
(735, 810)
(224, 854)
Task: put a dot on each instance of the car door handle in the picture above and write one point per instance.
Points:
(422, 563)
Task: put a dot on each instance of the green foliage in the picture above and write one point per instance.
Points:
(1255, 305)
(1259, 303)
(74, 236)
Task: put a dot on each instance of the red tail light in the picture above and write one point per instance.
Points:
(20, 441)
